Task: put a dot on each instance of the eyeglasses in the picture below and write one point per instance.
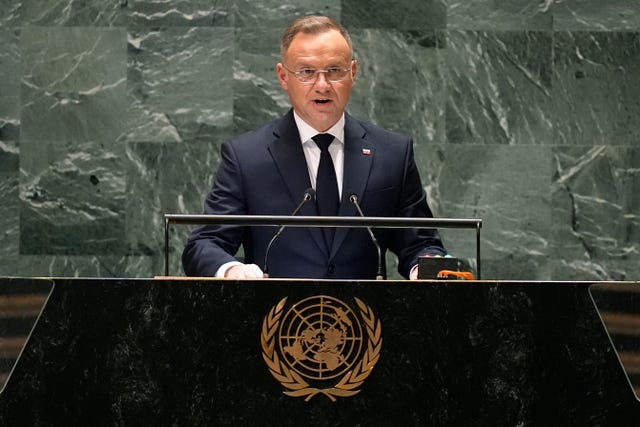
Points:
(310, 75)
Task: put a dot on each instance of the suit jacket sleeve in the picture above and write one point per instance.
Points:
(409, 244)
(211, 246)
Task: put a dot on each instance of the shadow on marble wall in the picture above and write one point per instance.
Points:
(524, 114)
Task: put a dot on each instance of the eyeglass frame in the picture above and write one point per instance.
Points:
(317, 73)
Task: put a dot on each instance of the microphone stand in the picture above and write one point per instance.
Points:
(379, 276)
(308, 195)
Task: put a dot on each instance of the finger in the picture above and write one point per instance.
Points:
(246, 271)
(254, 272)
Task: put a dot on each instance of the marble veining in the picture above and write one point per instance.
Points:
(523, 113)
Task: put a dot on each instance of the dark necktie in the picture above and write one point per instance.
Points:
(327, 196)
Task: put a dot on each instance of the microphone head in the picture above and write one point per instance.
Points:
(353, 197)
(309, 194)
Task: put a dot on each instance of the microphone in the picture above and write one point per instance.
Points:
(353, 198)
(309, 194)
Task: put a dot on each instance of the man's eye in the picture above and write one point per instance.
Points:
(334, 70)
(307, 72)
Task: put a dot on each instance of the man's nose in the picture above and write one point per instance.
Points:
(321, 80)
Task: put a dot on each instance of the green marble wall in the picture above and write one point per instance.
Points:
(525, 113)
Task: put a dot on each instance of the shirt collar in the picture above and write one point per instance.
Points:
(307, 131)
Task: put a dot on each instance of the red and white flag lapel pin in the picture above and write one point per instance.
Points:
(366, 151)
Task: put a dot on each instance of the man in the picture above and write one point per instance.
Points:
(267, 171)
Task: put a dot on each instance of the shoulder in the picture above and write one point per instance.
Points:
(381, 138)
(267, 131)
(374, 132)
(254, 136)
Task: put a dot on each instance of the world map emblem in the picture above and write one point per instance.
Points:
(321, 346)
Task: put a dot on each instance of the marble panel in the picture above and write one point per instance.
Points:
(397, 14)
(179, 84)
(277, 14)
(9, 145)
(595, 88)
(97, 96)
(519, 266)
(9, 85)
(400, 85)
(80, 266)
(144, 221)
(73, 13)
(499, 87)
(9, 208)
(10, 13)
(596, 15)
(71, 198)
(505, 186)
(596, 212)
(257, 94)
(134, 13)
(9, 159)
(500, 15)
(73, 83)
(165, 178)
(180, 13)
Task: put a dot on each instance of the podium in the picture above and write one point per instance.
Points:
(197, 352)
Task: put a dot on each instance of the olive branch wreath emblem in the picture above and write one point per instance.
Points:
(348, 385)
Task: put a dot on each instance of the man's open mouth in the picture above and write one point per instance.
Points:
(322, 101)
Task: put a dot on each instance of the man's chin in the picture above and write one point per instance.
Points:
(320, 120)
(324, 125)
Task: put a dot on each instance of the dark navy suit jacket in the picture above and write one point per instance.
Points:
(264, 172)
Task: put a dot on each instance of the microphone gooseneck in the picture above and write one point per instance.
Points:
(353, 198)
(309, 194)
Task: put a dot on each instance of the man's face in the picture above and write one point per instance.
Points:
(320, 103)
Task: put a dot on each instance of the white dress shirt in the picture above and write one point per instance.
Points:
(312, 152)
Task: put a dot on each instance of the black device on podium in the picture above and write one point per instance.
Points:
(430, 267)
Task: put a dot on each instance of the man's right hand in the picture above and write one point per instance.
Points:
(244, 271)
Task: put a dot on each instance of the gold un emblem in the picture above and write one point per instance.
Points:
(320, 347)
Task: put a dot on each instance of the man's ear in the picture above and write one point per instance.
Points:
(282, 76)
(354, 69)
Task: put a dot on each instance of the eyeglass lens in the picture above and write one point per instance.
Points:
(331, 74)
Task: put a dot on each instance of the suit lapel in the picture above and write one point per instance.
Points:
(286, 150)
(358, 160)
